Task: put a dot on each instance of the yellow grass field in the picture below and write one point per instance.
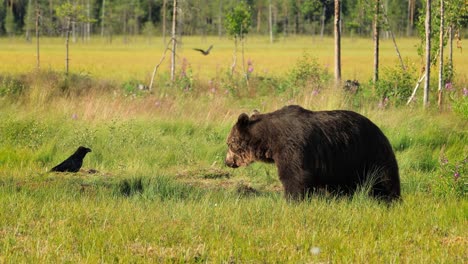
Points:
(136, 59)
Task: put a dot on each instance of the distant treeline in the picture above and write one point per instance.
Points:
(204, 17)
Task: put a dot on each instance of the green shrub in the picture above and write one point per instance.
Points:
(307, 74)
(395, 85)
(460, 104)
(11, 87)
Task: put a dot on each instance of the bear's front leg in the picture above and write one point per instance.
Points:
(293, 183)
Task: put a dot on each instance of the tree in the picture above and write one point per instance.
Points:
(71, 13)
(376, 41)
(441, 54)
(270, 22)
(10, 26)
(103, 15)
(29, 22)
(173, 39)
(428, 53)
(337, 43)
(36, 7)
(237, 24)
(164, 21)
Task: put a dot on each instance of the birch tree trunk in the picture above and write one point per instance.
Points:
(173, 38)
(428, 54)
(28, 23)
(337, 43)
(376, 42)
(102, 17)
(450, 46)
(67, 44)
(234, 59)
(220, 19)
(88, 23)
(270, 22)
(441, 54)
(73, 25)
(37, 35)
(322, 21)
(411, 10)
(164, 21)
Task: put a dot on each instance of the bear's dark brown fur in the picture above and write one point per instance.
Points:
(337, 151)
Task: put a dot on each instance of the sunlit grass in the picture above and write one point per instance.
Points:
(161, 193)
(136, 59)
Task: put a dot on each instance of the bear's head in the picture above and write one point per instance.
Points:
(240, 152)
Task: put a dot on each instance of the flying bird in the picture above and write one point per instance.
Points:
(74, 162)
(205, 52)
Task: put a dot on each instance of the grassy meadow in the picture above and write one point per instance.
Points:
(155, 189)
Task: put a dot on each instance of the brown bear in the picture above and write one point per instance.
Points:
(334, 151)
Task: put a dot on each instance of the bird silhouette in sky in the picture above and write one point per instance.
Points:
(205, 52)
(74, 162)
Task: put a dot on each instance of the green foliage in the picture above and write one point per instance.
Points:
(11, 87)
(10, 26)
(149, 30)
(73, 12)
(456, 12)
(395, 85)
(238, 20)
(308, 74)
(452, 177)
(460, 105)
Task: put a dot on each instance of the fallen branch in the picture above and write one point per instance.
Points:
(393, 38)
(422, 78)
(416, 89)
(150, 87)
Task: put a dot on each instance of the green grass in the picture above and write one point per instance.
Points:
(161, 193)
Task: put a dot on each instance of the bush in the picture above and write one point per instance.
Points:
(10, 86)
(460, 103)
(396, 85)
(307, 74)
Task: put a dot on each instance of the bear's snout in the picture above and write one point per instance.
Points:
(231, 163)
(230, 160)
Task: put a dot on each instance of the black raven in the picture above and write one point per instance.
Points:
(74, 162)
(205, 52)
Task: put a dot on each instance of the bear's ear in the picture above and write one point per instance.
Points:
(243, 120)
(255, 112)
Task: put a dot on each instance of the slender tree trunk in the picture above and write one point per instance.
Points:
(259, 18)
(73, 25)
(450, 46)
(164, 21)
(103, 15)
(322, 21)
(243, 60)
(428, 54)
(174, 42)
(88, 24)
(411, 11)
(220, 19)
(376, 42)
(234, 58)
(67, 44)
(441, 54)
(337, 43)
(384, 12)
(270, 22)
(28, 23)
(37, 35)
(125, 20)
